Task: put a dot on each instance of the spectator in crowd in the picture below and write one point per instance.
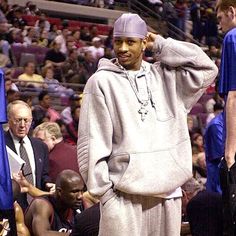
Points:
(53, 32)
(169, 14)
(214, 149)
(226, 15)
(61, 39)
(29, 78)
(89, 64)
(73, 71)
(109, 39)
(61, 155)
(31, 150)
(53, 85)
(9, 85)
(209, 105)
(17, 21)
(12, 95)
(43, 110)
(190, 123)
(72, 127)
(85, 34)
(9, 14)
(93, 32)
(78, 42)
(4, 27)
(108, 53)
(199, 165)
(197, 140)
(70, 44)
(45, 22)
(97, 49)
(4, 6)
(43, 39)
(118, 120)
(217, 108)
(74, 101)
(31, 9)
(55, 57)
(214, 51)
(15, 36)
(195, 13)
(4, 59)
(181, 9)
(27, 98)
(54, 215)
(210, 28)
(30, 37)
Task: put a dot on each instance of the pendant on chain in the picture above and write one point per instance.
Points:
(143, 111)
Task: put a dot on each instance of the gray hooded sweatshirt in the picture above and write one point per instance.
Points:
(119, 151)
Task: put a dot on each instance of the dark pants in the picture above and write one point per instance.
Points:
(228, 186)
(204, 212)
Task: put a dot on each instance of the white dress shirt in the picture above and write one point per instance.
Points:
(29, 149)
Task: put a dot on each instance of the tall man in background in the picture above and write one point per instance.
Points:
(226, 14)
(134, 149)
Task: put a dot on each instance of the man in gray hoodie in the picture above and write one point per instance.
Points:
(134, 150)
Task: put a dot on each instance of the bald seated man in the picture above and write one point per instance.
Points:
(61, 155)
(53, 215)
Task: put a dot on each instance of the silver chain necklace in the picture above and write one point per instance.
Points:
(144, 102)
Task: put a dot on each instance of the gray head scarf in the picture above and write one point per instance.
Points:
(130, 25)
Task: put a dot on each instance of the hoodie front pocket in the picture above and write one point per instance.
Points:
(154, 173)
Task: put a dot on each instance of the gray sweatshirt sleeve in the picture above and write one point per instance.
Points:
(95, 140)
(195, 71)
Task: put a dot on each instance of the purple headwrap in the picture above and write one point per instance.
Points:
(130, 25)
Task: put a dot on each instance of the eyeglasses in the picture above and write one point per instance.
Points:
(18, 121)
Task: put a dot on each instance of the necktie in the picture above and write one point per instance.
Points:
(26, 169)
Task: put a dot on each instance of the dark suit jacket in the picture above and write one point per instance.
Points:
(40, 150)
(40, 157)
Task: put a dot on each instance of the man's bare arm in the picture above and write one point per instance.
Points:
(41, 213)
(26, 187)
(230, 145)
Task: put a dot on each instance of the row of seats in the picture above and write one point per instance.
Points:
(21, 54)
(72, 24)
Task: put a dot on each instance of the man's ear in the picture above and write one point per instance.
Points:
(58, 191)
(144, 44)
(232, 13)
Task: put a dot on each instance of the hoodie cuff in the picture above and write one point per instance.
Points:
(158, 44)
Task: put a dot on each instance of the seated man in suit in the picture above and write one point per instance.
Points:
(33, 151)
(54, 215)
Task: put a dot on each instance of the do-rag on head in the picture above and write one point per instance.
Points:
(130, 25)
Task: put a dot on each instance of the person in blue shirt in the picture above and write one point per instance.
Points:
(226, 15)
(214, 150)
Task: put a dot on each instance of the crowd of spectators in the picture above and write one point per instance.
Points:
(179, 13)
(71, 57)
